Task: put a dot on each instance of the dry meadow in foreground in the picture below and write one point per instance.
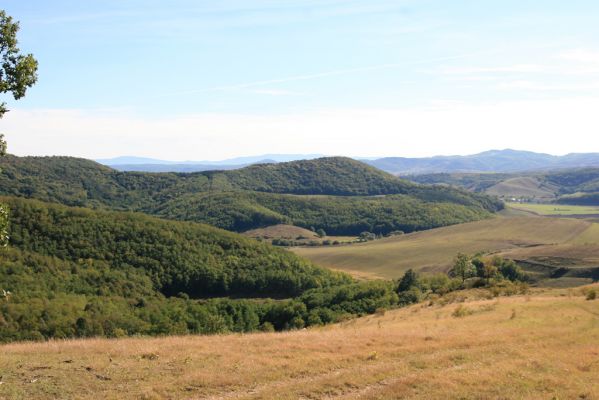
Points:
(544, 345)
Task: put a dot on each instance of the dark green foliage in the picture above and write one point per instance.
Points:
(72, 272)
(409, 280)
(252, 197)
(512, 271)
(409, 288)
(18, 72)
(195, 259)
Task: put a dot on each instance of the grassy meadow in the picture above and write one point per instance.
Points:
(434, 250)
(467, 345)
(555, 209)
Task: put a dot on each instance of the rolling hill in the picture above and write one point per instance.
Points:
(340, 195)
(76, 272)
(578, 186)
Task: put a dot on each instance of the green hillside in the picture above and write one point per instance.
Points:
(340, 195)
(74, 272)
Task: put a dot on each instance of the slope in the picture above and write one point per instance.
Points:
(434, 250)
(80, 272)
(543, 345)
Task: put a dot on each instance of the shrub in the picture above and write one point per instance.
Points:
(591, 294)
(461, 311)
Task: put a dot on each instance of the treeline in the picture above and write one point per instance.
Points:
(252, 197)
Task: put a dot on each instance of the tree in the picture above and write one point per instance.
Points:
(321, 233)
(408, 280)
(463, 267)
(512, 271)
(18, 72)
(489, 271)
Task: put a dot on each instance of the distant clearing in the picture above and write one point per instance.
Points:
(530, 187)
(542, 346)
(555, 209)
(295, 234)
(281, 231)
(434, 250)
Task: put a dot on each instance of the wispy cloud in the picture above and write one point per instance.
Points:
(320, 75)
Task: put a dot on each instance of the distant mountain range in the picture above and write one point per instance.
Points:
(489, 161)
(506, 161)
(131, 163)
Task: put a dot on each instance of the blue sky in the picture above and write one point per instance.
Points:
(215, 79)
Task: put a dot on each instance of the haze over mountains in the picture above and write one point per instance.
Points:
(507, 160)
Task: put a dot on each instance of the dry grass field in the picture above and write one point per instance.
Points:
(295, 233)
(281, 231)
(434, 250)
(523, 187)
(539, 346)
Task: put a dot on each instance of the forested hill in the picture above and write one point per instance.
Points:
(338, 176)
(252, 197)
(76, 272)
(185, 257)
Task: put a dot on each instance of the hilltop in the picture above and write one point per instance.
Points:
(340, 195)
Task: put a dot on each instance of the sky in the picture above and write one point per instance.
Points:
(209, 80)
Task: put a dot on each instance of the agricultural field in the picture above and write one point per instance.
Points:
(518, 237)
(555, 209)
(468, 345)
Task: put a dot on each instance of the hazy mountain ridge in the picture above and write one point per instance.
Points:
(506, 161)
(489, 161)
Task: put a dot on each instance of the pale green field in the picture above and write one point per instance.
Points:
(555, 209)
(434, 250)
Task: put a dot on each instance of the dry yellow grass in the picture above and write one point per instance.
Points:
(539, 347)
(281, 231)
(434, 250)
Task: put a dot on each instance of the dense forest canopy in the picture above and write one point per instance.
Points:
(74, 272)
(339, 195)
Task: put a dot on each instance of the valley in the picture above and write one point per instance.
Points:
(357, 224)
(517, 237)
